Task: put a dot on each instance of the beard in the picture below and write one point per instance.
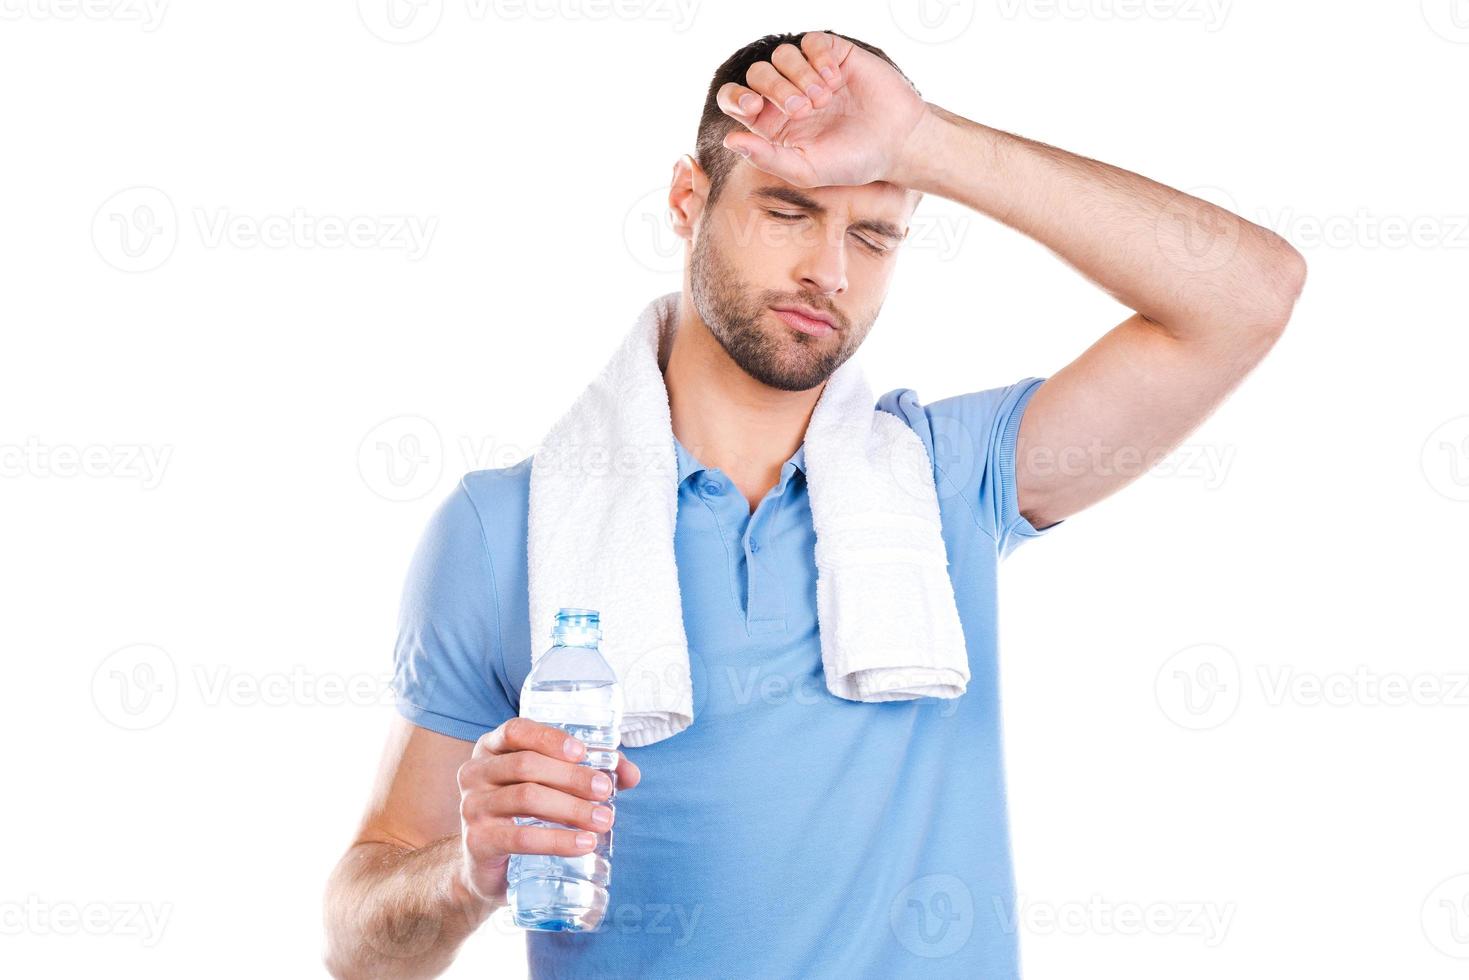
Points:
(778, 355)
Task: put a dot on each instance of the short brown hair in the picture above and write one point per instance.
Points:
(715, 124)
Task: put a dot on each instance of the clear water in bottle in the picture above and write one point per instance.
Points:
(574, 688)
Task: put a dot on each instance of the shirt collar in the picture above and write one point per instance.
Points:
(689, 465)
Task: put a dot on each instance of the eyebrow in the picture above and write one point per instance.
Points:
(796, 199)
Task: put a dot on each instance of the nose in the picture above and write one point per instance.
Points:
(823, 267)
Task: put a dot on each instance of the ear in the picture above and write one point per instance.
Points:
(686, 195)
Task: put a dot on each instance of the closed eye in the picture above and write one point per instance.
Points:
(870, 246)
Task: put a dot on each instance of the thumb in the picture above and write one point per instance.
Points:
(782, 161)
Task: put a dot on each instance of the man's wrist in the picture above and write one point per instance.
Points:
(473, 907)
(927, 151)
(956, 158)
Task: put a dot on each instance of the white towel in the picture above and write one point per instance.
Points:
(604, 506)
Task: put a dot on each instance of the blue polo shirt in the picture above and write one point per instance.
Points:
(787, 832)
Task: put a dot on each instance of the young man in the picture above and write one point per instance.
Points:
(789, 832)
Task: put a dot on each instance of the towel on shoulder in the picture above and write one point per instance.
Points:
(604, 506)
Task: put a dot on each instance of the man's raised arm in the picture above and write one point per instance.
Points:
(1212, 293)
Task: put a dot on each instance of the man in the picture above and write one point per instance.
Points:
(788, 832)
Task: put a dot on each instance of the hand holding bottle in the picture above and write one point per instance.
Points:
(528, 769)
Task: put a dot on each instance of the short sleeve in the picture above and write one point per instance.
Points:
(447, 674)
(971, 439)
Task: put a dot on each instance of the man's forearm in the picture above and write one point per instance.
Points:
(398, 912)
(1190, 267)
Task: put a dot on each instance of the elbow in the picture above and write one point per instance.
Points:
(1282, 277)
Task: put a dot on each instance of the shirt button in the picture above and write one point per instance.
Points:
(754, 546)
(712, 488)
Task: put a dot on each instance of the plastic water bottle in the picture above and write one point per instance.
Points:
(574, 688)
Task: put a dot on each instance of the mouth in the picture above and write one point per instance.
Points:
(813, 322)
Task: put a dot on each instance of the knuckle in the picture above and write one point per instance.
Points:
(516, 731)
(522, 796)
(465, 775)
(522, 766)
(473, 808)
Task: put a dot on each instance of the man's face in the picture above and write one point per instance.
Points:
(767, 244)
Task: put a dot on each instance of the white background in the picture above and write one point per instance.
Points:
(220, 451)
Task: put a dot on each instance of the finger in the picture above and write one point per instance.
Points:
(498, 839)
(794, 66)
(765, 79)
(628, 773)
(785, 162)
(540, 802)
(533, 767)
(521, 734)
(740, 102)
(826, 52)
(749, 107)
